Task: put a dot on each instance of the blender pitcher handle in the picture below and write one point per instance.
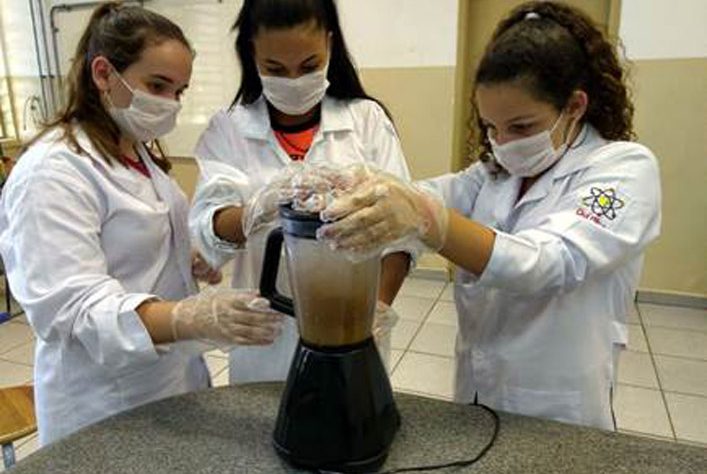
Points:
(268, 276)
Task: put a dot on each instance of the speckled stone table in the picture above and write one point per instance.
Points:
(228, 430)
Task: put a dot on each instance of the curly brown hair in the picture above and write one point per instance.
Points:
(553, 49)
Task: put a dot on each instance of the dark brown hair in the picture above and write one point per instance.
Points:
(119, 33)
(344, 82)
(553, 49)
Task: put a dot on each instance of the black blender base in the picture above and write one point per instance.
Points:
(337, 411)
(351, 467)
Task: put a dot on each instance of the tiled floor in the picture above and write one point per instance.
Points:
(662, 376)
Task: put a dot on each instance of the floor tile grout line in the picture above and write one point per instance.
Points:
(645, 387)
(665, 306)
(441, 356)
(417, 331)
(635, 385)
(421, 324)
(686, 394)
(691, 442)
(676, 329)
(216, 374)
(674, 356)
(25, 440)
(436, 302)
(657, 376)
(397, 363)
(2, 359)
(638, 312)
(12, 348)
(645, 434)
(424, 322)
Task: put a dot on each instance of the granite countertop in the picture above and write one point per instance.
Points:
(228, 430)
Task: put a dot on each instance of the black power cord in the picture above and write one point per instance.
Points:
(460, 463)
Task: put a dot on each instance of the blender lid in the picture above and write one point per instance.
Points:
(299, 223)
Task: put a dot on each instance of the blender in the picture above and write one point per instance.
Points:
(337, 411)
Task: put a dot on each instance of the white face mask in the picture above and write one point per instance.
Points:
(295, 96)
(532, 155)
(147, 117)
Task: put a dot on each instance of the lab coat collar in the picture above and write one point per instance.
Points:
(587, 140)
(119, 173)
(255, 120)
(574, 160)
(335, 117)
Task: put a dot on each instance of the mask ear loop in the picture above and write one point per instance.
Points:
(567, 146)
(122, 81)
(570, 131)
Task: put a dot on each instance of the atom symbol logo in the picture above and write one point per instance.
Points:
(603, 202)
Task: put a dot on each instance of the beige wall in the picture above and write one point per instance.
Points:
(429, 104)
(186, 173)
(420, 100)
(671, 118)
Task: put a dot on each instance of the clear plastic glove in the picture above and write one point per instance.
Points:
(261, 209)
(384, 320)
(224, 316)
(202, 271)
(307, 187)
(385, 210)
(313, 187)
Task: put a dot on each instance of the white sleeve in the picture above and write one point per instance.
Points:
(220, 185)
(458, 190)
(604, 220)
(386, 153)
(58, 271)
(383, 143)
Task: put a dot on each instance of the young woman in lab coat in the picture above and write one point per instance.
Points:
(548, 235)
(93, 234)
(299, 99)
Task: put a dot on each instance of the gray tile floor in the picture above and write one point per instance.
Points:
(662, 389)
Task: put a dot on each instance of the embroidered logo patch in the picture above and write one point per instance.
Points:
(603, 203)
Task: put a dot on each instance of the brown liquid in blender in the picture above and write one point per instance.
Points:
(333, 315)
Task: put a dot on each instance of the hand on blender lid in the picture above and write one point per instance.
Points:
(384, 210)
(308, 188)
(313, 187)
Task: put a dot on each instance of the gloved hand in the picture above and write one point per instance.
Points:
(226, 316)
(384, 320)
(386, 209)
(313, 187)
(202, 271)
(261, 208)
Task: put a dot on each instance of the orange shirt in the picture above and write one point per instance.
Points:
(296, 144)
(296, 139)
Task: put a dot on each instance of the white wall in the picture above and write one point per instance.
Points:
(17, 35)
(662, 29)
(19, 62)
(380, 34)
(216, 75)
(400, 33)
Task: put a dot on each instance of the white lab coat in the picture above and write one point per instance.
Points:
(237, 154)
(540, 329)
(84, 244)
